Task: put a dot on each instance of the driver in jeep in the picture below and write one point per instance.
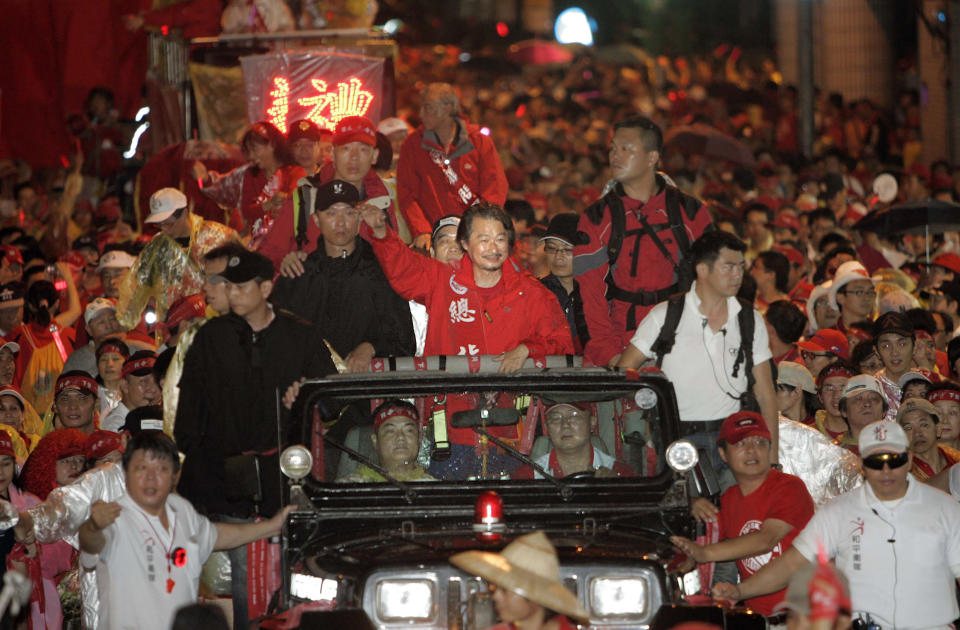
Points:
(396, 438)
(573, 452)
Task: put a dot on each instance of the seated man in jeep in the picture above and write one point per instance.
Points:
(568, 427)
(396, 438)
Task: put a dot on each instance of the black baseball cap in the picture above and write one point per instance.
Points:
(563, 227)
(894, 322)
(85, 242)
(335, 191)
(245, 266)
(149, 418)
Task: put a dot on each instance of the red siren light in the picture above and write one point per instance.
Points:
(488, 517)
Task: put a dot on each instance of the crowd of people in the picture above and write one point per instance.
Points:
(559, 222)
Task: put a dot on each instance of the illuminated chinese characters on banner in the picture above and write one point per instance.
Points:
(327, 107)
(322, 87)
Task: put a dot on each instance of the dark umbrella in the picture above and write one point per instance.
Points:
(733, 94)
(926, 217)
(491, 65)
(701, 139)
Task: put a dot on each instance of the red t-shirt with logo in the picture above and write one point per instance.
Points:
(780, 496)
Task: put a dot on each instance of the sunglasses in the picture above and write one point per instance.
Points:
(893, 460)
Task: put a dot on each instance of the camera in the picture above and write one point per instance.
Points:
(868, 624)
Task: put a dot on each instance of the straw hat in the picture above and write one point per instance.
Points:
(529, 567)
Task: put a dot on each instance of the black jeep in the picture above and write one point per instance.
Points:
(372, 542)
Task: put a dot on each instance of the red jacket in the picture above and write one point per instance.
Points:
(607, 319)
(424, 192)
(461, 320)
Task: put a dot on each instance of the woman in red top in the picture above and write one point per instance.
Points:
(258, 189)
(46, 339)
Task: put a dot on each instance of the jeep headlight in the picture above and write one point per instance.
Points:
(405, 600)
(295, 462)
(682, 455)
(691, 583)
(314, 588)
(618, 596)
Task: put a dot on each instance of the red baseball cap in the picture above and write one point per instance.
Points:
(11, 254)
(828, 340)
(743, 424)
(793, 254)
(303, 129)
(6, 445)
(787, 221)
(950, 262)
(355, 129)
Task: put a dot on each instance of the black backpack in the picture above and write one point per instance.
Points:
(745, 320)
(677, 204)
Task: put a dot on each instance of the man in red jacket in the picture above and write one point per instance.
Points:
(483, 303)
(446, 166)
(658, 224)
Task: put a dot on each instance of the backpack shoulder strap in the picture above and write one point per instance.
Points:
(679, 204)
(618, 226)
(746, 321)
(300, 217)
(668, 332)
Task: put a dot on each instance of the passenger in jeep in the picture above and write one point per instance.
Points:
(396, 437)
(568, 427)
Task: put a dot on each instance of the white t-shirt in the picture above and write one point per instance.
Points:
(700, 366)
(954, 477)
(902, 562)
(140, 587)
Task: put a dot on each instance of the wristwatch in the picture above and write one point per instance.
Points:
(777, 466)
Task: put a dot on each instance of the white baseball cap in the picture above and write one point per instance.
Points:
(861, 383)
(97, 306)
(13, 346)
(882, 437)
(796, 375)
(391, 125)
(116, 259)
(164, 203)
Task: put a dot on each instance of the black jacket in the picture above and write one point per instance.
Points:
(349, 301)
(572, 305)
(228, 404)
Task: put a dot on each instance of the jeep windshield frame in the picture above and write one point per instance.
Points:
(556, 384)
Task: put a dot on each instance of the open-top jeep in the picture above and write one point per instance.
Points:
(383, 547)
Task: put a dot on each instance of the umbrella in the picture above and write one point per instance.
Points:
(733, 94)
(701, 139)
(491, 65)
(926, 217)
(538, 53)
(623, 54)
